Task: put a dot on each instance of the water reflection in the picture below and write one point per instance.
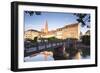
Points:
(48, 56)
(42, 56)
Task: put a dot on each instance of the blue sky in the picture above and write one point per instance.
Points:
(55, 20)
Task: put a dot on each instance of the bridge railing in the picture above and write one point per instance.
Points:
(40, 46)
(43, 46)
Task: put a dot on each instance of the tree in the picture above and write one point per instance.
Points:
(52, 39)
(86, 39)
(83, 19)
(35, 39)
(33, 12)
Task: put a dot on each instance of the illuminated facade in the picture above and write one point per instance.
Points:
(31, 34)
(68, 31)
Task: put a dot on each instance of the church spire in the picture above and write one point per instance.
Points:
(46, 27)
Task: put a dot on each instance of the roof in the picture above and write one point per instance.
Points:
(69, 25)
(33, 30)
(53, 31)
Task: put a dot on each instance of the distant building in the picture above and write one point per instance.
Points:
(68, 31)
(31, 34)
(46, 28)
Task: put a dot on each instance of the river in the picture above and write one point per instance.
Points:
(43, 57)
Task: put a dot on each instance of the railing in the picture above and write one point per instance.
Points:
(41, 46)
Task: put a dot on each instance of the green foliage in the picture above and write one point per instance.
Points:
(52, 39)
(86, 39)
(86, 52)
(83, 18)
(32, 41)
(33, 12)
(35, 39)
(72, 39)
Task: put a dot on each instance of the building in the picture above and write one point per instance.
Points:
(46, 28)
(67, 31)
(31, 34)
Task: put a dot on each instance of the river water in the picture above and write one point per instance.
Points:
(41, 57)
(38, 57)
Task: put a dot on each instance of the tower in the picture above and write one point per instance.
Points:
(46, 27)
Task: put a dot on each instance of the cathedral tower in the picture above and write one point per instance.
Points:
(46, 27)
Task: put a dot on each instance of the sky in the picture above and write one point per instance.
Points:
(54, 19)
